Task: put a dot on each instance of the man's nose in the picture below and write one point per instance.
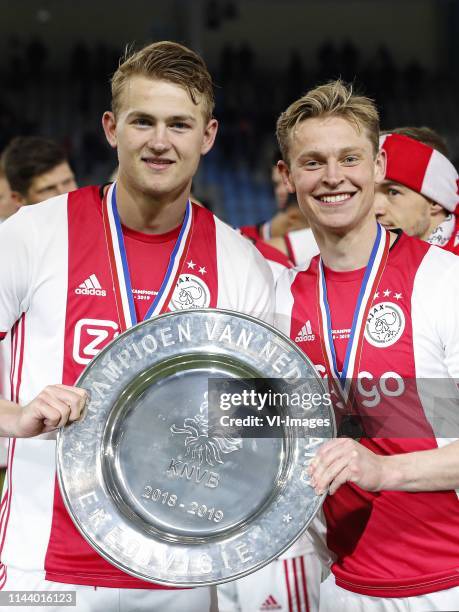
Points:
(333, 175)
(159, 140)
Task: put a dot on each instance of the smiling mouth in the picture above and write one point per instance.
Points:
(334, 198)
(157, 162)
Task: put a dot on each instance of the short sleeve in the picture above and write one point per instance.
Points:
(17, 239)
(259, 286)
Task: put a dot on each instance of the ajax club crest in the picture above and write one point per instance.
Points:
(190, 292)
(385, 324)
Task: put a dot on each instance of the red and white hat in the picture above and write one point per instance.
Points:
(421, 168)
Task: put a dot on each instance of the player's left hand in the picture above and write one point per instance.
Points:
(345, 460)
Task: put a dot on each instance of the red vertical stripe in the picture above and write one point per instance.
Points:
(5, 498)
(287, 582)
(3, 576)
(374, 288)
(297, 590)
(111, 257)
(14, 345)
(6, 516)
(17, 357)
(183, 258)
(290, 251)
(21, 331)
(305, 584)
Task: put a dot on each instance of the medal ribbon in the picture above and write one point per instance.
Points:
(370, 282)
(119, 265)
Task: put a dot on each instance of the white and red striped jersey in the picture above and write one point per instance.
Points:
(277, 260)
(57, 311)
(391, 543)
(301, 246)
(285, 585)
(262, 231)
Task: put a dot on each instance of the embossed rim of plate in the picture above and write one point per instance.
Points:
(259, 529)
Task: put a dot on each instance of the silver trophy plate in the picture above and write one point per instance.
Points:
(156, 490)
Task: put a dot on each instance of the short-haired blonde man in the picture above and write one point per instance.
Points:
(60, 304)
(382, 310)
(419, 194)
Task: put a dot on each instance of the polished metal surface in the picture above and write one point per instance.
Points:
(155, 489)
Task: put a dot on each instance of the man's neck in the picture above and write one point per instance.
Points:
(435, 222)
(350, 250)
(145, 213)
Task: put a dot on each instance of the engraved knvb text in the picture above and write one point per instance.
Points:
(194, 473)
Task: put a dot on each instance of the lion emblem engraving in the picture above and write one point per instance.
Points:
(205, 444)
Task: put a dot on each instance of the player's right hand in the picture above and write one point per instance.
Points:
(53, 407)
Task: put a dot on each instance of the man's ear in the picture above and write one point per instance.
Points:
(109, 125)
(18, 198)
(436, 209)
(210, 133)
(284, 171)
(380, 166)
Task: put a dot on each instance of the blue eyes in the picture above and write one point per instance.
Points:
(349, 160)
(144, 122)
(141, 122)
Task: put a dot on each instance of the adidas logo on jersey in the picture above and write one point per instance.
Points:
(90, 286)
(270, 604)
(305, 334)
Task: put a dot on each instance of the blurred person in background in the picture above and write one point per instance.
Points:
(37, 169)
(419, 193)
(299, 245)
(8, 205)
(271, 238)
(287, 218)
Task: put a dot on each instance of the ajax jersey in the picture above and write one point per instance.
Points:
(391, 543)
(57, 311)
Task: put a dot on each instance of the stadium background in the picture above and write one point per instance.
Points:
(57, 57)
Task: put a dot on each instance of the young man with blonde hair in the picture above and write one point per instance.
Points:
(60, 304)
(383, 313)
(420, 192)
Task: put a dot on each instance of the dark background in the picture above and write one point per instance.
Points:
(57, 57)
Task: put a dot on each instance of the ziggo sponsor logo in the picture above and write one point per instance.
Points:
(372, 388)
